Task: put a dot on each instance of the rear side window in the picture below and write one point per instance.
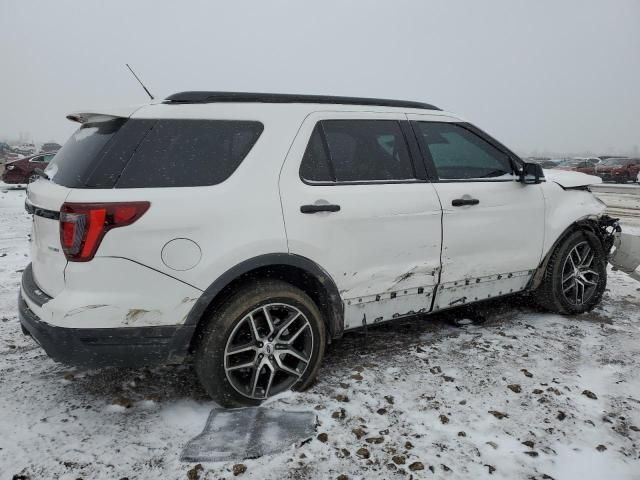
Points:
(357, 151)
(315, 163)
(187, 153)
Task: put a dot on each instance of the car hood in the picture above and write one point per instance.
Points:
(568, 179)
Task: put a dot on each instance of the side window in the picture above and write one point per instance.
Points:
(315, 162)
(189, 153)
(357, 151)
(460, 154)
(48, 157)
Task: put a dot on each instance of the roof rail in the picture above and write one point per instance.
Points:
(249, 97)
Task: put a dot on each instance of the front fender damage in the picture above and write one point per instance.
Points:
(606, 228)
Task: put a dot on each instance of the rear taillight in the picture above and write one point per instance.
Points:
(83, 225)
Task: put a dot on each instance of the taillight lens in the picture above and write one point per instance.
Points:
(84, 225)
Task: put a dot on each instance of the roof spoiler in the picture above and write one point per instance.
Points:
(103, 114)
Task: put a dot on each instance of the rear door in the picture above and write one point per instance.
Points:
(357, 203)
(493, 225)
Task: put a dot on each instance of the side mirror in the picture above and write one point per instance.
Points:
(531, 173)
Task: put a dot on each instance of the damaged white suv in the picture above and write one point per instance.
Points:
(246, 231)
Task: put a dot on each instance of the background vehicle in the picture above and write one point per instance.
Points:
(249, 230)
(578, 165)
(23, 170)
(25, 149)
(619, 170)
(543, 161)
(50, 147)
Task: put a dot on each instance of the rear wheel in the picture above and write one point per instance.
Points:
(267, 338)
(576, 275)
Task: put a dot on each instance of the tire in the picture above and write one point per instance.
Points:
(561, 297)
(238, 334)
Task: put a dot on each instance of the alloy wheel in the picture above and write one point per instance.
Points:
(268, 351)
(579, 279)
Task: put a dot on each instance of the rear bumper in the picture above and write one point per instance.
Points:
(101, 347)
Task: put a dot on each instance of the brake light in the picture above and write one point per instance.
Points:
(84, 225)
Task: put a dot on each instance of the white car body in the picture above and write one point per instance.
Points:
(390, 249)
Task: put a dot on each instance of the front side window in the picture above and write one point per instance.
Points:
(357, 151)
(459, 154)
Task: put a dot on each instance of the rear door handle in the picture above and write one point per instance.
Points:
(319, 208)
(461, 202)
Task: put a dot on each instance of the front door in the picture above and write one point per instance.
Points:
(493, 225)
(356, 201)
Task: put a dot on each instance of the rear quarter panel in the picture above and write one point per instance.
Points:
(238, 219)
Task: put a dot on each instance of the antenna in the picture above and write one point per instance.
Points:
(139, 81)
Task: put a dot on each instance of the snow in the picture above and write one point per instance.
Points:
(424, 386)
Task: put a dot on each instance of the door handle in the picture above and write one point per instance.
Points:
(319, 208)
(461, 202)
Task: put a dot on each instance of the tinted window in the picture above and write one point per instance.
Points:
(358, 150)
(181, 153)
(458, 153)
(315, 163)
(78, 157)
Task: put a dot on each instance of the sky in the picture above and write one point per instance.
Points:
(544, 77)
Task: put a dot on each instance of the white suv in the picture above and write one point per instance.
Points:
(246, 231)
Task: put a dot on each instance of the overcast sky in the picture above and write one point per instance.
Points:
(539, 75)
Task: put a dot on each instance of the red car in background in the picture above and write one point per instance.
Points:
(619, 170)
(583, 165)
(23, 170)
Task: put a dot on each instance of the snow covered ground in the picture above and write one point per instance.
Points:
(526, 395)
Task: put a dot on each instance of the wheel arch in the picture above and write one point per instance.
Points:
(295, 269)
(591, 224)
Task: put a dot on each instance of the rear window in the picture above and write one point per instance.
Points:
(153, 153)
(77, 158)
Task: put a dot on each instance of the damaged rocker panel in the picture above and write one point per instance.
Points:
(391, 305)
(474, 289)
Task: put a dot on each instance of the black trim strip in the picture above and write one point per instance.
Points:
(102, 347)
(31, 288)
(41, 212)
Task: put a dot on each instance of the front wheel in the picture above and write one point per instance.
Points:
(576, 275)
(267, 338)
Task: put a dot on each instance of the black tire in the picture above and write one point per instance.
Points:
(228, 318)
(550, 294)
